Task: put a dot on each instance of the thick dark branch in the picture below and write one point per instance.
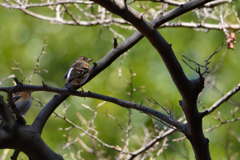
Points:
(64, 93)
(22, 137)
(5, 113)
(178, 11)
(50, 106)
(148, 30)
(26, 139)
(128, 104)
(114, 53)
(15, 154)
(44, 87)
(47, 110)
(15, 110)
(189, 90)
(137, 36)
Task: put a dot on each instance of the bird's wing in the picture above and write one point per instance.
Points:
(76, 73)
(65, 76)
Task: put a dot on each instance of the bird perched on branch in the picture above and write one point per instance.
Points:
(23, 102)
(78, 73)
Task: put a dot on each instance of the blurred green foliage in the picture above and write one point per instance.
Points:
(22, 39)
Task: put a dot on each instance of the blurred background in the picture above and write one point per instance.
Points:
(22, 38)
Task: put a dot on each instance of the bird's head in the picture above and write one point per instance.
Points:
(83, 58)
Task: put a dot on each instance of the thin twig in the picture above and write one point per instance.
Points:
(8, 77)
(38, 58)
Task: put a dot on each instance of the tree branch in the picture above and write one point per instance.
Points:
(5, 113)
(160, 136)
(64, 93)
(221, 100)
(189, 90)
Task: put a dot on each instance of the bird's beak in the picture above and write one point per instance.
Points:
(89, 60)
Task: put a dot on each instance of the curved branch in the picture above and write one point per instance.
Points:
(26, 139)
(21, 137)
(128, 104)
(148, 30)
(64, 93)
(189, 90)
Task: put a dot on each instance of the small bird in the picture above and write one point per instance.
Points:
(78, 73)
(23, 102)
